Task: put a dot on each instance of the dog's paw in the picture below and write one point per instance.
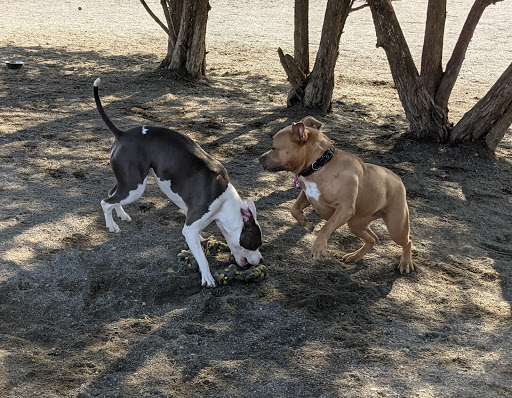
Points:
(319, 249)
(207, 280)
(353, 257)
(406, 266)
(125, 217)
(122, 214)
(114, 228)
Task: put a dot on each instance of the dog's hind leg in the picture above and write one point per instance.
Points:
(118, 208)
(122, 214)
(361, 229)
(116, 200)
(397, 221)
(109, 221)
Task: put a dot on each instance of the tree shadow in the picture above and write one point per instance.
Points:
(101, 314)
(468, 187)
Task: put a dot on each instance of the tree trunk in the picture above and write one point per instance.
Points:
(315, 90)
(425, 98)
(491, 117)
(318, 92)
(296, 77)
(459, 53)
(301, 35)
(297, 67)
(172, 11)
(186, 29)
(426, 119)
(189, 53)
(432, 56)
(196, 57)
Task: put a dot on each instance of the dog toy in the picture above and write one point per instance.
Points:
(224, 271)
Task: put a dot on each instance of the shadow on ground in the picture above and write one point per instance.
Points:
(87, 313)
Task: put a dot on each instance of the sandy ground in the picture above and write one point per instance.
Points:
(86, 313)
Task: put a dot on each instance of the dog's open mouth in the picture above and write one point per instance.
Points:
(244, 262)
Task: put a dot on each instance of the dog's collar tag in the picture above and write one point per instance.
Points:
(296, 183)
(319, 163)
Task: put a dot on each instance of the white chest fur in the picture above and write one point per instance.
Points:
(310, 189)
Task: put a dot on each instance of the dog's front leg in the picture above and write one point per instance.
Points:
(340, 216)
(193, 238)
(297, 211)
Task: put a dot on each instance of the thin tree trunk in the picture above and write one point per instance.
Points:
(432, 56)
(491, 117)
(301, 35)
(296, 76)
(152, 14)
(320, 86)
(426, 119)
(459, 53)
(300, 59)
(172, 11)
(196, 56)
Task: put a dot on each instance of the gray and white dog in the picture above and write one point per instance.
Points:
(192, 179)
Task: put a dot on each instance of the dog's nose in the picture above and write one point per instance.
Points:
(263, 161)
(261, 260)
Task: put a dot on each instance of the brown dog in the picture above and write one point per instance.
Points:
(341, 188)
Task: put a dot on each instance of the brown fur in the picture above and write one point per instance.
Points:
(344, 191)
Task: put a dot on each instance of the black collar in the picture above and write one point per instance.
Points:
(319, 163)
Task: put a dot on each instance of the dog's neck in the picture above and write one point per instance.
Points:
(320, 145)
(319, 163)
(229, 219)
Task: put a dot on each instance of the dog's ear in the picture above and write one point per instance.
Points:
(311, 122)
(252, 207)
(250, 237)
(248, 211)
(299, 132)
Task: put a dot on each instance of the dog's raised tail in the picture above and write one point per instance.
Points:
(111, 126)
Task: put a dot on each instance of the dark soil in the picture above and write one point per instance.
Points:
(88, 313)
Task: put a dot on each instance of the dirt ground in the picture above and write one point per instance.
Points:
(86, 313)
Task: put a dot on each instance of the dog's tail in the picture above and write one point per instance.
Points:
(111, 126)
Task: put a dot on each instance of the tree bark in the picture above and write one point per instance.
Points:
(320, 86)
(491, 117)
(314, 90)
(432, 55)
(297, 67)
(296, 76)
(301, 35)
(186, 30)
(425, 98)
(188, 55)
(459, 53)
(172, 11)
(196, 56)
(179, 54)
(426, 119)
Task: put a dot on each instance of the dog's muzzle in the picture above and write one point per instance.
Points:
(268, 164)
